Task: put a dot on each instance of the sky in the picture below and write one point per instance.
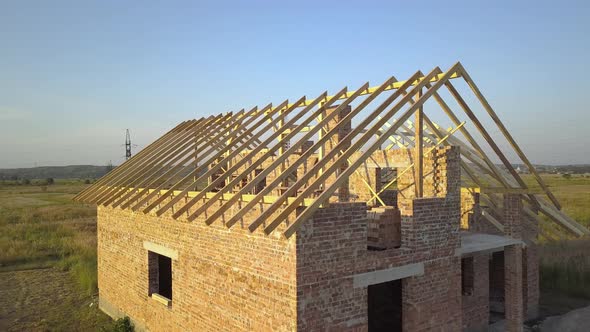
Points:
(75, 74)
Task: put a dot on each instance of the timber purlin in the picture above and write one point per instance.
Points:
(265, 158)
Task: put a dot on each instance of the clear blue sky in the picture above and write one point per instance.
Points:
(75, 74)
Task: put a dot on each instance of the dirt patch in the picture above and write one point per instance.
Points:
(46, 300)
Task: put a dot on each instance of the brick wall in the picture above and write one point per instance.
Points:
(469, 207)
(442, 174)
(231, 279)
(332, 248)
(433, 302)
(476, 308)
(217, 285)
(384, 227)
(514, 306)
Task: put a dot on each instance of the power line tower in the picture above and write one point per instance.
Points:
(127, 145)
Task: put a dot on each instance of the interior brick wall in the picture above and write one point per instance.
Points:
(476, 307)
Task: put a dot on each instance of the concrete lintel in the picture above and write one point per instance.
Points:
(481, 243)
(394, 273)
(161, 250)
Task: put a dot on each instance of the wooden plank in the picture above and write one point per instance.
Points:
(469, 138)
(172, 166)
(135, 174)
(553, 215)
(508, 136)
(105, 179)
(153, 165)
(548, 209)
(220, 149)
(488, 138)
(308, 153)
(442, 140)
(308, 212)
(419, 149)
(206, 156)
(255, 161)
(130, 168)
(279, 162)
(492, 220)
(227, 174)
(220, 157)
(315, 170)
(394, 86)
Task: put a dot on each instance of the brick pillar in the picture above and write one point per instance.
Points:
(513, 264)
(343, 191)
(513, 215)
(514, 306)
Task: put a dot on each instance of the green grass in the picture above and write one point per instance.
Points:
(41, 227)
(573, 193)
(565, 265)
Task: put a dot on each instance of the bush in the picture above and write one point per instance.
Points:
(50, 181)
(87, 181)
(120, 325)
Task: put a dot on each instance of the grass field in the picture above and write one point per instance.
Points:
(48, 256)
(48, 260)
(565, 265)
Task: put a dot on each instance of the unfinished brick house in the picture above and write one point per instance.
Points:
(336, 213)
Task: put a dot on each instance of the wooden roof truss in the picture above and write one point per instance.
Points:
(222, 159)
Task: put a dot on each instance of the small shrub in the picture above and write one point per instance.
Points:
(120, 325)
(87, 181)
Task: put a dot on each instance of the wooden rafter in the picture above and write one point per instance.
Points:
(213, 166)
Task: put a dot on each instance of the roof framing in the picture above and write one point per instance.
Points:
(226, 159)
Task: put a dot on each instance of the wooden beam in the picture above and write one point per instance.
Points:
(508, 136)
(123, 177)
(227, 159)
(82, 196)
(394, 86)
(173, 166)
(256, 162)
(319, 143)
(308, 212)
(207, 156)
(220, 157)
(136, 174)
(418, 149)
(314, 171)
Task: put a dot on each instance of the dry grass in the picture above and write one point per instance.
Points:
(43, 228)
(565, 267)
